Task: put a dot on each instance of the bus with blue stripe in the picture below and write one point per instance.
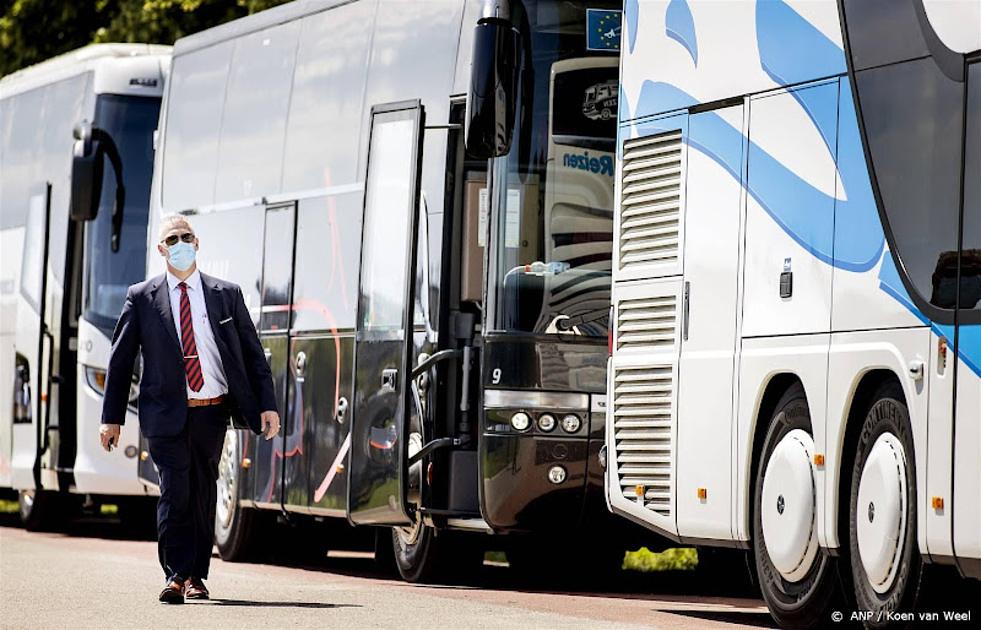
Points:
(796, 305)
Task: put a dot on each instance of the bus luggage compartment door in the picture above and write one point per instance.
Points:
(377, 481)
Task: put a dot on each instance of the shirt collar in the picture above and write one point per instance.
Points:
(193, 281)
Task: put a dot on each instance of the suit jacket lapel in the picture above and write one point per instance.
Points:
(161, 300)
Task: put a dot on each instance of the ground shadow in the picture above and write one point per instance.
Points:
(757, 619)
(262, 604)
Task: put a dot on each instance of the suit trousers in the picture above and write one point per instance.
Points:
(188, 467)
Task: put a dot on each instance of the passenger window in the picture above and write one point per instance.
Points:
(883, 32)
(328, 231)
(325, 118)
(913, 117)
(20, 148)
(971, 259)
(250, 157)
(277, 269)
(197, 92)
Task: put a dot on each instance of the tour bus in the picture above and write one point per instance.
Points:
(70, 248)
(419, 213)
(796, 357)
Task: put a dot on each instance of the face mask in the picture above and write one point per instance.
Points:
(181, 255)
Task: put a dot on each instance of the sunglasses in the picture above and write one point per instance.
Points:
(187, 237)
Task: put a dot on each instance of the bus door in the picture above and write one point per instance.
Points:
(34, 348)
(383, 351)
(276, 289)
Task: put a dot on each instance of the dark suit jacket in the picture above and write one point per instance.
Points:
(147, 325)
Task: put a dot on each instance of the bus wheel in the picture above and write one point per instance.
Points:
(885, 562)
(424, 555)
(234, 525)
(799, 583)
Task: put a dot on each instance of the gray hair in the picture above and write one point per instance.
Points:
(172, 221)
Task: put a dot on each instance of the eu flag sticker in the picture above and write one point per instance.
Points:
(603, 29)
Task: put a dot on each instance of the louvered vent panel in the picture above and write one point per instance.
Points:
(646, 323)
(650, 202)
(642, 428)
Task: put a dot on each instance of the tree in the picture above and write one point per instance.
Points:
(34, 30)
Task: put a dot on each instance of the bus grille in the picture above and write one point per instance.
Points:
(650, 201)
(646, 324)
(642, 429)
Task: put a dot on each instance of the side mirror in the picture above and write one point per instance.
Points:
(493, 79)
(92, 147)
(87, 165)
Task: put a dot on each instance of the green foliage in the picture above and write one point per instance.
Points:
(34, 30)
(674, 559)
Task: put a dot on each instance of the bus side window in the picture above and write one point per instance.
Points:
(475, 208)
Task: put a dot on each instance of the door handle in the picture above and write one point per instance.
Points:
(390, 379)
(341, 410)
(301, 363)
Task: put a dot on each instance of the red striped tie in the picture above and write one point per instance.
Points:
(192, 365)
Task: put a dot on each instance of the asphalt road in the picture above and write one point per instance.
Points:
(91, 578)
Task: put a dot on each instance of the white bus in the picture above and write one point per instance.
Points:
(67, 263)
(796, 361)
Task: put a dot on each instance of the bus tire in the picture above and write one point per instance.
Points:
(426, 556)
(799, 583)
(234, 525)
(40, 510)
(886, 566)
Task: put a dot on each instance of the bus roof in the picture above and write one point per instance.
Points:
(82, 60)
(243, 26)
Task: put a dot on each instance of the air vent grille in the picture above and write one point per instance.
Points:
(647, 324)
(643, 430)
(650, 202)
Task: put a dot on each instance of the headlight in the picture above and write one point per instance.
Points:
(520, 421)
(571, 423)
(546, 422)
(96, 379)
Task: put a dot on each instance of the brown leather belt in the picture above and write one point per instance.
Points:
(205, 402)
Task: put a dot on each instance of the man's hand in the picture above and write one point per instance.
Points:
(270, 424)
(109, 435)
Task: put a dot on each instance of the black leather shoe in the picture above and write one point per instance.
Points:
(173, 593)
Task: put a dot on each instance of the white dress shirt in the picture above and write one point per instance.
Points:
(215, 383)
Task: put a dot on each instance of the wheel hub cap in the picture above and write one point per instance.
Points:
(788, 506)
(227, 479)
(882, 496)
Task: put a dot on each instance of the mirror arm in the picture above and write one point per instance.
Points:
(112, 152)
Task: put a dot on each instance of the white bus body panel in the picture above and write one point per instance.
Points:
(706, 396)
(967, 460)
(780, 127)
(854, 354)
(11, 247)
(762, 359)
(96, 471)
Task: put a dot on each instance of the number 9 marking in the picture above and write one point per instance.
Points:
(496, 376)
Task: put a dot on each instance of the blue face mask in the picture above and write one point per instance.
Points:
(181, 255)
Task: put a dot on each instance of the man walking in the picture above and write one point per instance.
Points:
(202, 363)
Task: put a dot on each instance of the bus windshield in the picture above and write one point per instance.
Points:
(131, 121)
(552, 209)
